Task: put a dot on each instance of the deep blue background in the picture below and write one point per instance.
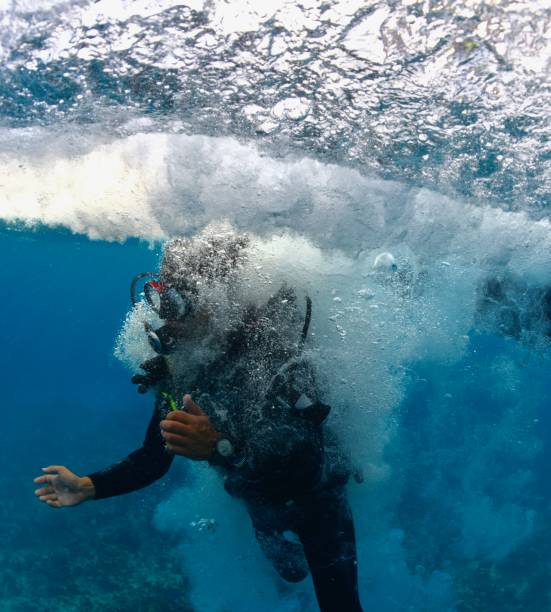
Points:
(66, 399)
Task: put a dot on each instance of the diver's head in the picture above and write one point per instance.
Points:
(189, 266)
(205, 259)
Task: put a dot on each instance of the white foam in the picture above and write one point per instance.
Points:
(157, 185)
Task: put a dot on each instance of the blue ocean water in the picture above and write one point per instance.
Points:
(332, 133)
(62, 387)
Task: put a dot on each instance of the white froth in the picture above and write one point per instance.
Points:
(157, 185)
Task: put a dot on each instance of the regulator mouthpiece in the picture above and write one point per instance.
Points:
(160, 340)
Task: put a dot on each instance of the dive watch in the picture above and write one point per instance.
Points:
(227, 452)
(224, 448)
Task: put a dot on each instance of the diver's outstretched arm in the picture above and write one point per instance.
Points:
(63, 488)
(140, 469)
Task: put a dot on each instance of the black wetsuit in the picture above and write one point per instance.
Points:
(288, 469)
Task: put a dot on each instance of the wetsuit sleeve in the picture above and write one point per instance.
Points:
(142, 467)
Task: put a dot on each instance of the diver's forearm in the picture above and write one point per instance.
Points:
(140, 469)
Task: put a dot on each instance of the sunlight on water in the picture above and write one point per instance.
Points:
(450, 95)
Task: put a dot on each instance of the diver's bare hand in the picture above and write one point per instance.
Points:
(189, 432)
(63, 488)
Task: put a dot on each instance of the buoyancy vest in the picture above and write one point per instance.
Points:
(263, 393)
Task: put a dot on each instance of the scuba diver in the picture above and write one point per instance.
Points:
(256, 414)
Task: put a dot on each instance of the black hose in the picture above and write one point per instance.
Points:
(306, 321)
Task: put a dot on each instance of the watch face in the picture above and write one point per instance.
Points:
(224, 447)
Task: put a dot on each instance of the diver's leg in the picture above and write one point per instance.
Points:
(278, 540)
(285, 554)
(327, 534)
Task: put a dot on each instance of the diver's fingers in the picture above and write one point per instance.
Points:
(44, 491)
(54, 468)
(180, 416)
(179, 448)
(176, 439)
(176, 427)
(50, 479)
(51, 497)
(192, 407)
(54, 504)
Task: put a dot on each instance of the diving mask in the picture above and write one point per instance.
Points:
(168, 303)
(165, 300)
